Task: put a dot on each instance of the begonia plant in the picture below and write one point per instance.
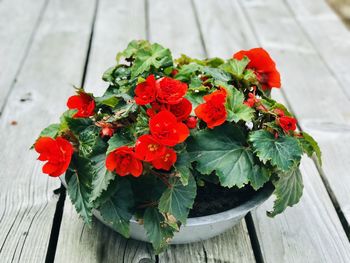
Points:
(164, 128)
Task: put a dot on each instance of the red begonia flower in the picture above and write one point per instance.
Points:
(263, 66)
(145, 92)
(148, 149)
(213, 111)
(123, 161)
(170, 91)
(182, 109)
(166, 161)
(82, 102)
(57, 152)
(167, 130)
(252, 100)
(191, 122)
(287, 123)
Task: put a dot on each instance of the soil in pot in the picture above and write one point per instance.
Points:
(212, 199)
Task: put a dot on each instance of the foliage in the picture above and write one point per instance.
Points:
(141, 148)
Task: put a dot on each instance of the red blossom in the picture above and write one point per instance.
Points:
(170, 91)
(167, 130)
(213, 111)
(182, 109)
(148, 149)
(166, 161)
(57, 152)
(107, 129)
(145, 92)
(82, 102)
(287, 123)
(123, 161)
(252, 100)
(263, 66)
(191, 122)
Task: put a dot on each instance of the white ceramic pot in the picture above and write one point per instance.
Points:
(204, 227)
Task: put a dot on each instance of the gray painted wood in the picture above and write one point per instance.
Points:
(18, 21)
(117, 23)
(181, 35)
(299, 64)
(27, 203)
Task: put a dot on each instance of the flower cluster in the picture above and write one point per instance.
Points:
(163, 128)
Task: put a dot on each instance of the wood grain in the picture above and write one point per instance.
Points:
(18, 23)
(117, 23)
(27, 203)
(299, 64)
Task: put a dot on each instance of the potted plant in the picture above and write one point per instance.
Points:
(172, 140)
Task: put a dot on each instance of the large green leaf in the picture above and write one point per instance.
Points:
(283, 151)
(157, 231)
(51, 131)
(101, 178)
(77, 125)
(132, 48)
(178, 199)
(156, 56)
(222, 149)
(117, 210)
(79, 186)
(235, 67)
(288, 191)
(259, 177)
(310, 146)
(236, 109)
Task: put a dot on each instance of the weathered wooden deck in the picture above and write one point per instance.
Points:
(47, 45)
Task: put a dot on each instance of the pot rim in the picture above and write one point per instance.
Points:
(256, 199)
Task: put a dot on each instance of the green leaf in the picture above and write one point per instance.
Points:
(235, 108)
(217, 74)
(235, 67)
(141, 126)
(156, 56)
(101, 178)
(51, 131)
(222, 150)
(157, 231)
(259, 177)
(79, 179)
(283, 151)
(310, 146)
(288, 191)
(77, 125)
(132, 48)
(182, 166)
(178, 199)
(90, 142)
(117, 140)
(117, 210)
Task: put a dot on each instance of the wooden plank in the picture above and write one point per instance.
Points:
(80, 243)
(299, 65)
(27, 203)
(328, 116)
(181, 34)
(327, 33)
(77, 242)
(18, 22)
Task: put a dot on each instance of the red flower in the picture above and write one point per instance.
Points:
(148, 149)
(263, 66)
(167, 130)
(287, 123)
(166, 161)
(182, 109)
(279, 112)
(213, 111)
(145, 92)
(191, 122)
(82, 102)
(57, 152)
(170, 91)
(107, 129)
(123, 161)
(250, 102)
